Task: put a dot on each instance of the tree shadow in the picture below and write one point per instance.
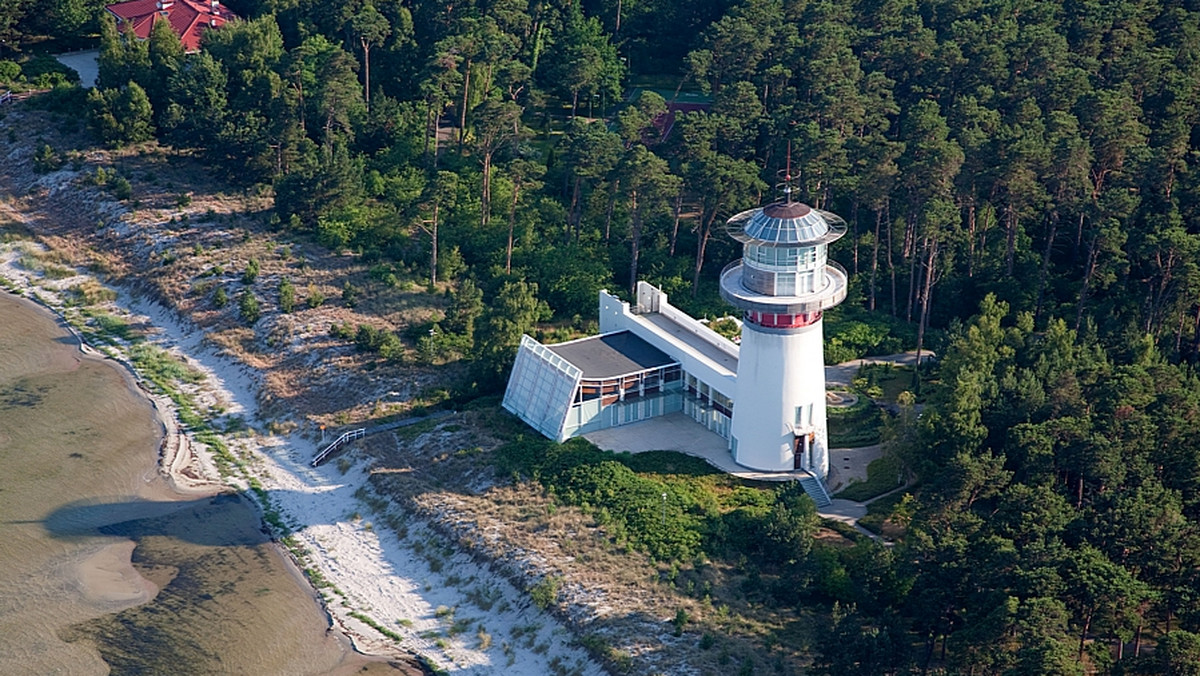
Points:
(223, 520)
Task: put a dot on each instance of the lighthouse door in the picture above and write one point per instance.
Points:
(800, 452)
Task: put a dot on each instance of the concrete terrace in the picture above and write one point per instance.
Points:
(678, 432)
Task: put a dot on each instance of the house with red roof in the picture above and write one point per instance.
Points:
(187, 18)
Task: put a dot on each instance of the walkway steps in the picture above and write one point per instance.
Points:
(346, 438)
(815, 488)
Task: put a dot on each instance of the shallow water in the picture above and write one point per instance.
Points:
(80, 496)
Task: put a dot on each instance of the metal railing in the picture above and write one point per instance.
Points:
(346, 438)
(829, 295)
(821, 484)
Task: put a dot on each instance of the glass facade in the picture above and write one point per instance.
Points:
(540, 388)
(707, 406)
(784, 270)
(598, 404)
(784, 257)
(552, 396)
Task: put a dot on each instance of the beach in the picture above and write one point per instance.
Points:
(379, 589)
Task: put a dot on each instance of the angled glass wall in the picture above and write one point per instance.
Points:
(541, 388)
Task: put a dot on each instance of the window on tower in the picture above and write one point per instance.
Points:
(785, 284)
(803, 416)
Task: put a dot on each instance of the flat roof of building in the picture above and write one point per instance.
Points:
(611, 355)
(679, 333)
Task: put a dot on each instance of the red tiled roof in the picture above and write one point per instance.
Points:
(665, 122)
(188, 18)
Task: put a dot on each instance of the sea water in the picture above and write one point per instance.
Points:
(103, 567)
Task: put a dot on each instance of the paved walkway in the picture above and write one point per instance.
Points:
(843, 374)
(850, 464)
(83, 63)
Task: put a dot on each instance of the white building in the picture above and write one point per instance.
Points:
(766, 398)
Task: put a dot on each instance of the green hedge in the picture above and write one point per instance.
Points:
(704, 509)
(881, 478)
(855, 426)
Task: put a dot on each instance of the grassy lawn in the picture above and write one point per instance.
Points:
(881, 478)
(884, 381)
(879, 518)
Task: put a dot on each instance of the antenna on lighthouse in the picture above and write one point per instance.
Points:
(785, 185)
(787, 179)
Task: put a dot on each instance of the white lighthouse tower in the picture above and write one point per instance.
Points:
(783, 284)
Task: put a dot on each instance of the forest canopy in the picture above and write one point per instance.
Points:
(1017, 177)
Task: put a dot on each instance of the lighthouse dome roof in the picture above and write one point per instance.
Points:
(784, 224)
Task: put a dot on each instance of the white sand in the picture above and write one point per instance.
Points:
(107, 578)
(375, 574)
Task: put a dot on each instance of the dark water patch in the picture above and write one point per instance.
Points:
(22, 394)
(225, 520)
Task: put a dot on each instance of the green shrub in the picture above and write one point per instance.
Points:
(161, 367)
(856, 426)
(370, 339)
(115, 326)
(66, 99)
(120, 116)
(251, 272)
(727, 327)
(350, 294)
(383, 273)
(632, 507)
(46, 160)
(248, 307)
(9, 70)
(680, 621)
(342, 331)
(854, 334)
(120, 187)
(315, 298)
(45, 72)
(545, 593)
(99, 177)
(220, 297)
(287, 296)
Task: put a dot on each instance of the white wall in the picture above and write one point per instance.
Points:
(778, 372)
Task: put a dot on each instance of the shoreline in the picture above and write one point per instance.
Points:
(175, 455)
(390, 603)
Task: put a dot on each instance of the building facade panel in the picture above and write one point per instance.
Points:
(541, 388)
